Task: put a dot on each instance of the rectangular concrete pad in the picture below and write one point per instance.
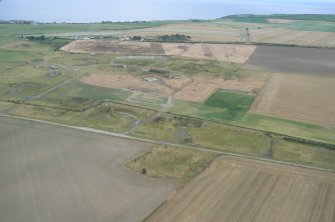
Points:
(51, 173)
(236, 189)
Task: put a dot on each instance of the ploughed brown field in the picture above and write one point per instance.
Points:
(301, 85)
(50, 173)
(236, 189)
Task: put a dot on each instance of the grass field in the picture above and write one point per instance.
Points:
(222, 106)
(171, 162)
(217, 136)
(234, 189)
(12, 29)
(320, 23)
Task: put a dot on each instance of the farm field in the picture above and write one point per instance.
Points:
(278, 59)
(283, 92)
(294, 37)
(235, 189)
(200, 31)
(220, 52)
(236, 119)
(51, 173)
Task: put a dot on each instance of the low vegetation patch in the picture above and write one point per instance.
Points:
(168, 161)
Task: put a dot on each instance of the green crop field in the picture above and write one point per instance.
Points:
(222, 106)
(13, 29)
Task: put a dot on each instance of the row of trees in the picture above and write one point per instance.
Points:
(37, 38)
(174, 38)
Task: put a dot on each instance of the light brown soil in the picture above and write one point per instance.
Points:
(198, 32)
(52, 174)
(203, 87)
(177, 83)
(266, 97)
(285, 36)
(304, 97)
(235, 189)
(126, 82)
(280, 21)
(220, 52)
(196, 90)
(101, 46)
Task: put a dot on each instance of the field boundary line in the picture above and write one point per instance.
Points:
(237, 127)
(123, 136)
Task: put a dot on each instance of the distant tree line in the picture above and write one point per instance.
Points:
(174, 38)
(110, 22)
(37, 38)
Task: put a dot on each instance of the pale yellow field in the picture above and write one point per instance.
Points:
(305, 97)
(297, 37)
(235, 189)
(198, 32)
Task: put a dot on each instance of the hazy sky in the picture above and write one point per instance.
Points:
(122, 10)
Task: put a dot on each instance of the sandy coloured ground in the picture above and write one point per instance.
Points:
(198, 32)
(196, 90)
(177, 83)
(126, 82)
(220, 52)
(297, 37)
(56, 174)
(203, 87)
(304, 97)
(280, 21)
(236, 189)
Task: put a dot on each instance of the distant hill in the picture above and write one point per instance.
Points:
(262, 18)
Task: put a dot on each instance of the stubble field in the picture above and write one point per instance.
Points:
(304, 97)
(234, 189)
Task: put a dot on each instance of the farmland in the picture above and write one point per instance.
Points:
(53, 173)
(237, 86)
(318, 91)
(235, 189)
(229, 53)
(293, 60)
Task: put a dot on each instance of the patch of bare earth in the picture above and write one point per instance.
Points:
(280, 21)
(126, 82)
(236, 189)
(203, 87)
(305, 97)
(177, 83)
(198, 32)
(197, 89)
(220, 52)
(297, 37)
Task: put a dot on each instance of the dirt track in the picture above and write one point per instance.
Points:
(235, 189)
(51, 173)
